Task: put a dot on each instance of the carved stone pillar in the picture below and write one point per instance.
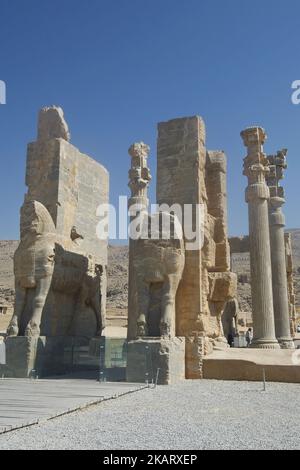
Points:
(257, 196)
(139, 179)
(290, 283)
(139, 175)
(277, 164)
(155, 269)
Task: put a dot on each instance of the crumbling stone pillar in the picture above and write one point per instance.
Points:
(290, 283)
(257, 196)
(189, 176)
(277, 164)
(139, 179)
(155, 270)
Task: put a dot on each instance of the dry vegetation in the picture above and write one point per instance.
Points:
(118, 279)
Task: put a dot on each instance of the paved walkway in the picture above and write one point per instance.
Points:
(195, 414)
(25, 401)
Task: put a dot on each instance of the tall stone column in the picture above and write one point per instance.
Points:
(257, 196)
(139, 179)
(290, 282)
(155, 270)
(277, 164)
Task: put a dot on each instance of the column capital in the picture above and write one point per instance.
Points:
(255, 163)
(139, 150)
(277, 164)
(139, 173)
(254, 135)
(276, 216)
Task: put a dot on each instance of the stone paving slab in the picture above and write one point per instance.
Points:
(249, 364)
(24, 402)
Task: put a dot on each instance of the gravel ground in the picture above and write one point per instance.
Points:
(203, 414)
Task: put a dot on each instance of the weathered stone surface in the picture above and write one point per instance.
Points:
(280, 248)
(156, 259)
(52, 124)
(148, 357)
(277, 164)
(23, 355)
(230, 318)
(290, 283)
(139, 179)
(33, 269)
(157, 269)
(156, 262)
(39, 356)
(248, 364)
(60, 265)
(257, 196)
(188, 174)
(196, 347)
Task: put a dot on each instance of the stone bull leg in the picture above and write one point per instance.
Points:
(20, 302)
(167, 323)
(33, 266)
(143, 293)
(98, 298)
(42, 290)
(80, 304)
(89, 295)
(95, 303)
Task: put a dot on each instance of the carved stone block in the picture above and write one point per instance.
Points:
(163, 359)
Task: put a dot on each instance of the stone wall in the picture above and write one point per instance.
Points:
(65, 188)
(188, 174)
(71, 185)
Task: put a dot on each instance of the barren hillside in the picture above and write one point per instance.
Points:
(118, 276)
(241, 265)
(7, 249)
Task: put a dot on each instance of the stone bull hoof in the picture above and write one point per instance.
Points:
(13, 329)
(32, 330)
(164, 329)
(141, 330)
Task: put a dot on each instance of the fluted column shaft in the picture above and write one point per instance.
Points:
(257, 195)
(279, 271)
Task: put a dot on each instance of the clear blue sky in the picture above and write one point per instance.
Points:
(118, 67)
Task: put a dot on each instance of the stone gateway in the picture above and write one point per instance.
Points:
(191, 294)
(60, 265)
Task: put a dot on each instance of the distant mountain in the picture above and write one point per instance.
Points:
(117, 290)
(7, 249)
(117, 274)
(239, 247)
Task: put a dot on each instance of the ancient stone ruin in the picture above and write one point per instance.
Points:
(277, 164)
(270, 305)
(156, 267)
(240, 264)
(187, 174)
(60, 264)
(182, 292)
(290, 283)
